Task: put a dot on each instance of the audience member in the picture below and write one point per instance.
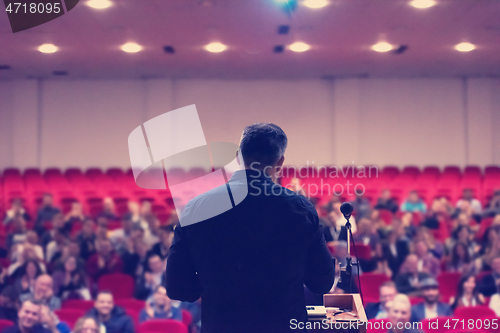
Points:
(45, 213)
(366, 235)
(26, 275)
(386, 202)
(27, 254)
(51, 322)
(159, 306)
(43, 292)
(488, 284)
(468, 196)
(86, 239)
(121, 236)
(495, 301)
(70, 283)
(31, 240)
(151, 279)
(467, 293)
(18, 233)
(414, 204)
(133, 212)
(74, 216)
(361, 206)
(427, 262)
(29, 319)
(399, 315)
(9, 304)
(56, 246)
(135, 259)
(16, 211)
(387, 292)
(460, 260)
(152, 234)
(409, 277)
(57, 224)
(112, 317)
(104, 261)
(108, 209)
(331, 231)
(296, 187)
(163, 246)
(395, 248)
(431, 307)
(87, 324)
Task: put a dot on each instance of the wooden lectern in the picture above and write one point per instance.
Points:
(353, 322)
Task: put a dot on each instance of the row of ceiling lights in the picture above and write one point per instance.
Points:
(217, 47)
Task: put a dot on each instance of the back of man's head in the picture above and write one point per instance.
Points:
(262, 144)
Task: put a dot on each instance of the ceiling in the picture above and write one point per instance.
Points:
(340, 36)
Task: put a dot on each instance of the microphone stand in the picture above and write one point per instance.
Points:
(348, 268)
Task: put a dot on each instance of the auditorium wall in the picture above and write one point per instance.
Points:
(86, 123)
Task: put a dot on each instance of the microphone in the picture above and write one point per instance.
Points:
(346, 209)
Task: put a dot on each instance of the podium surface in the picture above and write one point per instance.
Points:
(353, 321)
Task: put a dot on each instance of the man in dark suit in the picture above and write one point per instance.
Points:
(395, 250)
(408, 281)
(431, 307)
(488, 284)
(379, 310)
(250, 263)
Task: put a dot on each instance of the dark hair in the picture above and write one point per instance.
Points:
(454, 255)
(460, 291)
(22, 269)
(105, 292)
(459, 229)
(264, 143)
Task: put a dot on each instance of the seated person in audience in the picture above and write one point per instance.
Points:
(431, 307)
(104, 261)
(468, 196)
(120, 237)
(50, 321)
(29, 319)
(488, 284)
(45, 213)
(434, 246)
(9, 304)
(27, 254)
(427, 262)
(57, 224)
(159, 306)
(409, 277)
(395, 248)
(486, 260)
(55, 247)
(151, 278)
(26, 275)
(108, 209)
(72, 249)
(462, 234)
(102, 229)
(460, 260)
(333, 200)
(112, 317)
(493, 206)
(87, 324)
(467, 293)
(366, 234)
(133, 212)
(71, 282)
(495, 301)
(331, 231)
(135, 259)
(18, 233)
(387, 292)
(399, 315)
(86, 239)
(163, 246)
(31, 240)
(146, 212)
(74, 216)
(381, 263)
(43, 292)
(361, 205)
(152, 234)
(386, 202)
(15, 211)
(413, 204)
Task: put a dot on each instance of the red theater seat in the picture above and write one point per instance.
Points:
(5, 324)
(131, 303)
(78, 304)
(448, 283)
(437, 325)
(69, 316)
(377, 325)
(162, 326)
(370, 284)
(187, 318)
(120, 285)
(474, 312)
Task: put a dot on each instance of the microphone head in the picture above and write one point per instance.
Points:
(346, 209)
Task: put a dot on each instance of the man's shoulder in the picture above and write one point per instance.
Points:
(11, 329)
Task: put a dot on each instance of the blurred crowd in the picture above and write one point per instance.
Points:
(63, 256)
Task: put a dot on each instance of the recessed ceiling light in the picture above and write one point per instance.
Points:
(47, 48)
(215, 47)
(131, 47)
(465, 47)
(299, 47)
(315, 3)
(422, 3)
(99, 4)
(382, 47)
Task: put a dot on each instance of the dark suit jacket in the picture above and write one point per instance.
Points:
(487, 286)
(249, 264)
(372, 309)
(418, 311)
(403, 282)
(329, 237)
(393, 261)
